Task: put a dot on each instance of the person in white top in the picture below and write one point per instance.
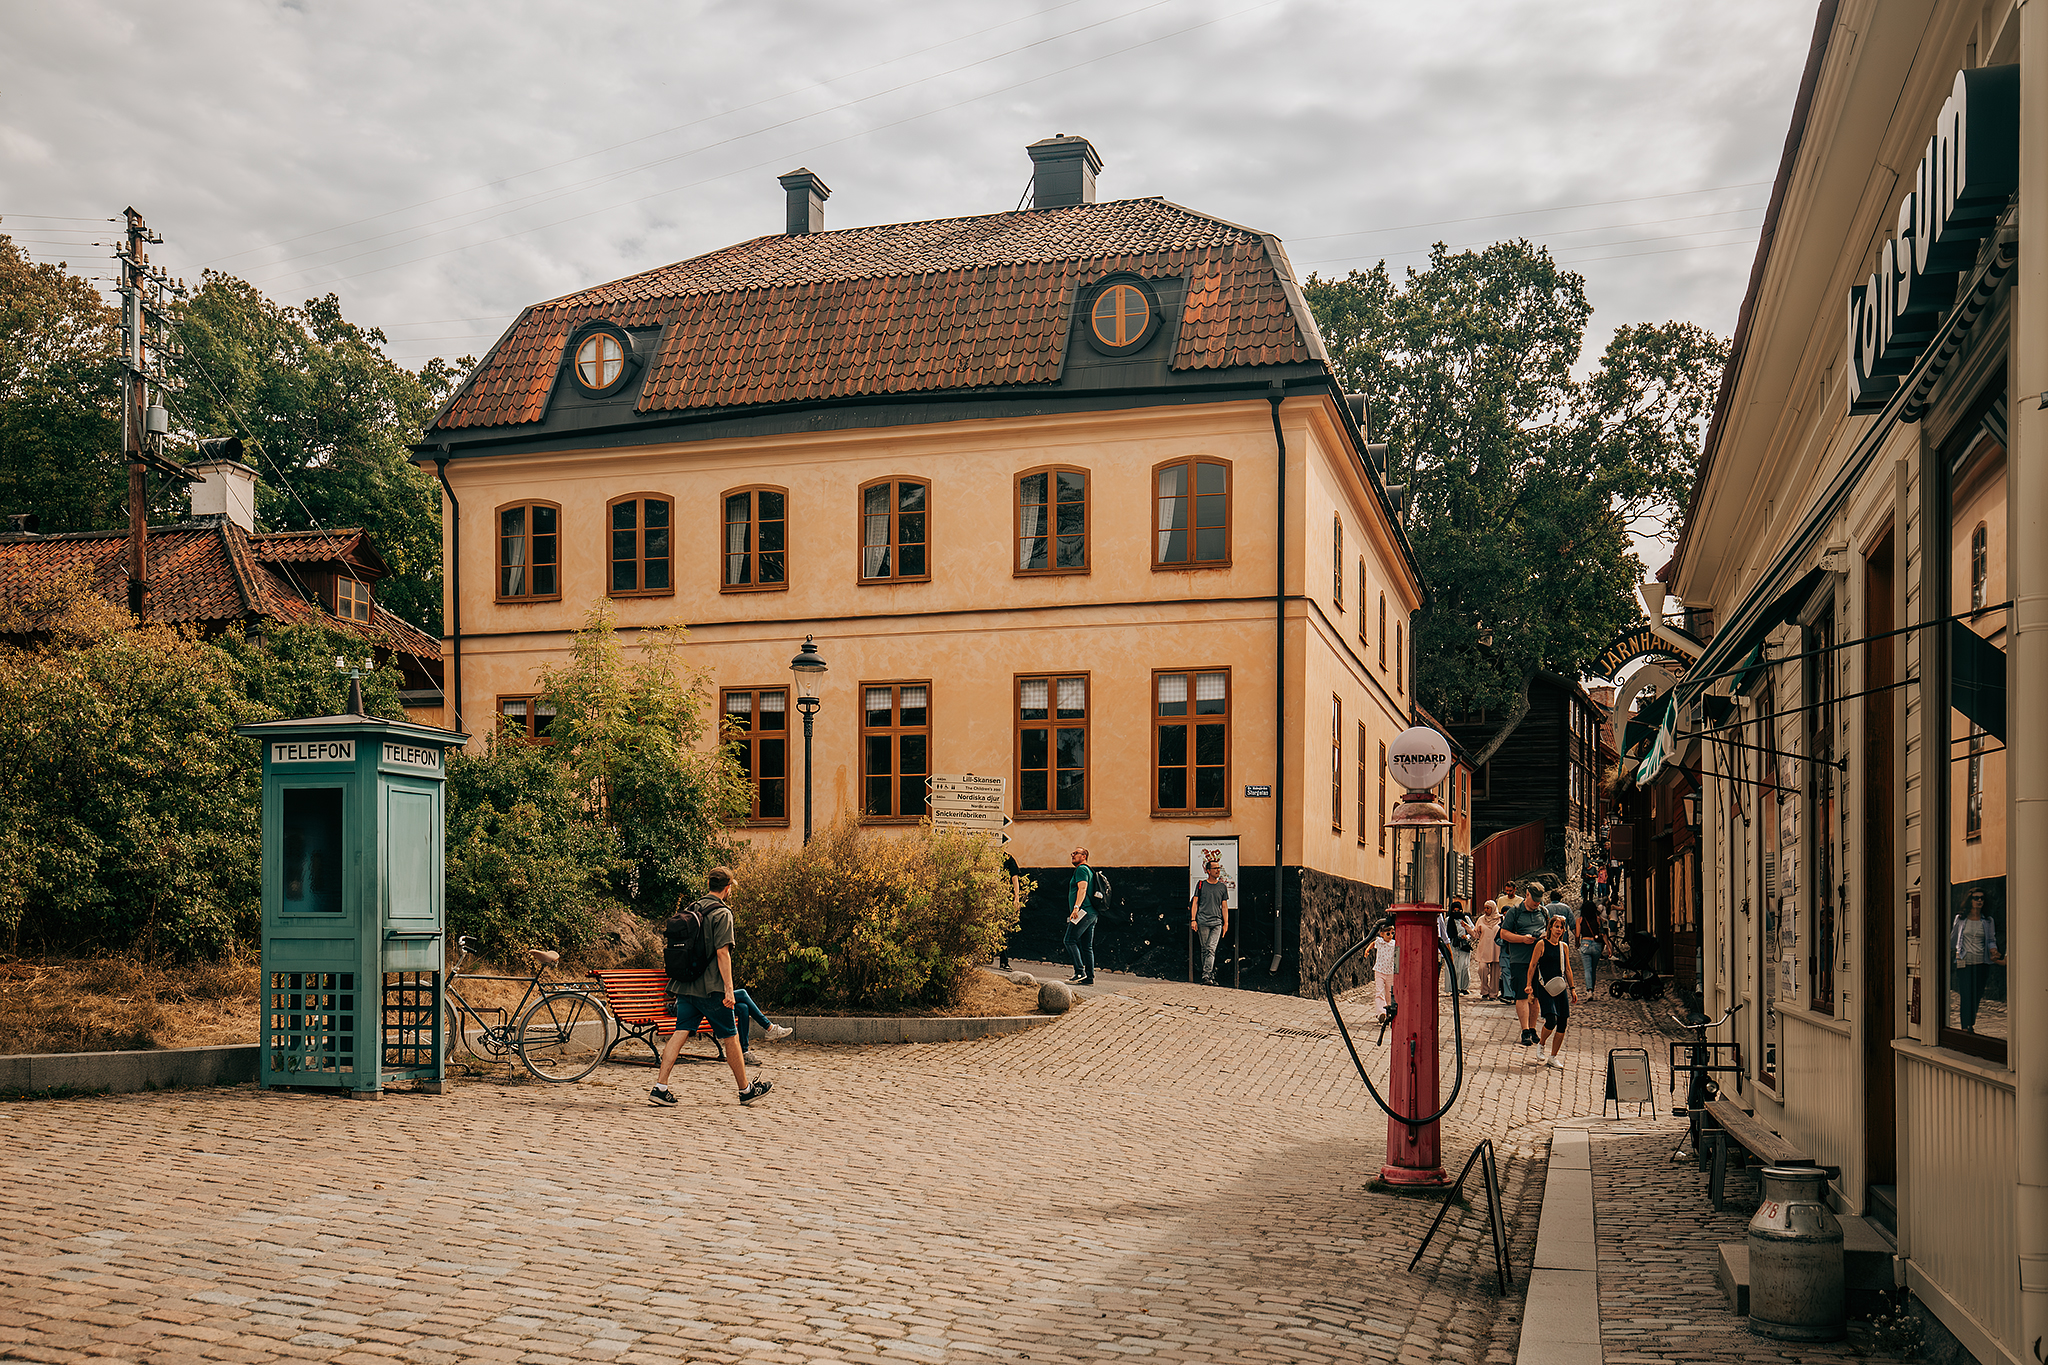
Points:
(1973, 951)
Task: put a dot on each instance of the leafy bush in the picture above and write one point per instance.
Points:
(527, 864)
(863, 919)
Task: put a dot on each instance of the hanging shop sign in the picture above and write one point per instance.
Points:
(1970, 169)
(1640, 643)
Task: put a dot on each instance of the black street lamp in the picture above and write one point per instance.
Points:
(808, 668)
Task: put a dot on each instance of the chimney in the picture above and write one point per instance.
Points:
(807, 195)
(1063, 171)
(224, 488)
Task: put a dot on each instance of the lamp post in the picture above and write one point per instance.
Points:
(1417, 760)
(808, 668)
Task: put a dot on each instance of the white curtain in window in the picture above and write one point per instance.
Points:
(1173, 687)
(878, 699)
(1031, 520)
(736, 552)
(1073, 694)
(1209, 686)
(773, 702)
(741, 703)
(874, 552)
(912, 698)
(515, 565)
(1031, 696)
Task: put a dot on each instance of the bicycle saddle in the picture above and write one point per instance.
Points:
(548, 958)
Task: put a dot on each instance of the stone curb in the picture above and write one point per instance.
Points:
(862, 1029)
(121, 1072)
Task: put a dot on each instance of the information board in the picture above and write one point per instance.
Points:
(965, 801)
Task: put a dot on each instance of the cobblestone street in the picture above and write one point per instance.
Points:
(1171, 1172)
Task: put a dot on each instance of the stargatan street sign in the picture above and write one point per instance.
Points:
(964, 801)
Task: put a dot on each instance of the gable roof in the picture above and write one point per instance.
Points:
(209, 576)
(902, 308)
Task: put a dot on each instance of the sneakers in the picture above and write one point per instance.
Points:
(776, 1033)
(1528, 1036)
(752, 1092)
(750, 1059)
(1077, 981)
(1554, 1064)
(661, 1094)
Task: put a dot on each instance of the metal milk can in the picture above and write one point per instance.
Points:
(1795, 1259)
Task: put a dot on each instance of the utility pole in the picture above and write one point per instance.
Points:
(145, 347)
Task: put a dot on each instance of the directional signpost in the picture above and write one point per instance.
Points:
(965, 801)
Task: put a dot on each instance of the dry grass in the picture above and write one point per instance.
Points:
(109, 1005)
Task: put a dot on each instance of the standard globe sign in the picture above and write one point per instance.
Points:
(1419, 758)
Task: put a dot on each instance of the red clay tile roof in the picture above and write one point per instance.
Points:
(900, 308)
(210, 576)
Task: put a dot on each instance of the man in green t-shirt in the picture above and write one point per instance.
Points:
(1521, 924)
(1080, 941)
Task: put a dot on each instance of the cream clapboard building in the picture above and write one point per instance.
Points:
(1870, 717)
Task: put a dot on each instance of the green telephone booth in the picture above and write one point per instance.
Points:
(352, 894)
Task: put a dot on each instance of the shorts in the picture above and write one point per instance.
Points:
(688, 1009)
(1514, 977)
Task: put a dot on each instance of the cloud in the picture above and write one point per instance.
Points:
(441, 166)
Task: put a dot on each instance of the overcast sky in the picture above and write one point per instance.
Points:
(439, 166)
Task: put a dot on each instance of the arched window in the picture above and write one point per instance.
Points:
(756, 554)
(895, 531)
(1052, 521)
(529, 552)
(641, 548)
(1192, 515)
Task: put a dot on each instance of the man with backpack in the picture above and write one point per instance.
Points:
(698, 959)
(1081, 917)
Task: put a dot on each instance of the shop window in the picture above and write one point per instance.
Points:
(352, 599)
(1052, 746)
(896, 747)
(640, 547)
(757, 732)
(526, 718)
(1191, 743)
(1974, 1000)
(1192, 527)
(1823, 797)
(1052, 521)
(894, 522)
(528, 553)
(756, 545)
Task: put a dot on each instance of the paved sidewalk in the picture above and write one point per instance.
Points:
(1172, 1172)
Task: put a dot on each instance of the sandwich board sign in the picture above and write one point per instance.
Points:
(1628, 1080)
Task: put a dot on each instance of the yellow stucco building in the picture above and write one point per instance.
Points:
(1067, 495)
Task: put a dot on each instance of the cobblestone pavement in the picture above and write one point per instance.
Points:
(1171, 1172)
(1659, 1243)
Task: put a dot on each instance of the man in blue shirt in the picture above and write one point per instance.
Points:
(1521, 924)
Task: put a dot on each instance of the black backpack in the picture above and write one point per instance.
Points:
(1100, 887)
(688, 955)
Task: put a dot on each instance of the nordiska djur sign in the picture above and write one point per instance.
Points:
(1968, 172)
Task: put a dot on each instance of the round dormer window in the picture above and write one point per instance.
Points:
(600, 361)
(1121, 318)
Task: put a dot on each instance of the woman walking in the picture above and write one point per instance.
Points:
(1550, 983)
(1592, 944)
(1973, 945)
(1486, 951)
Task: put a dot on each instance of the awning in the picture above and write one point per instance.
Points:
(1977, 679)
(1785, 607)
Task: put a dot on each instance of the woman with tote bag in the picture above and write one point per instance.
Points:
(1550, 984)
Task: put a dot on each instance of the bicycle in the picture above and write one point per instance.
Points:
(561, 1036)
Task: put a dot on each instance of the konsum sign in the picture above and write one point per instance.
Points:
(1968, 172)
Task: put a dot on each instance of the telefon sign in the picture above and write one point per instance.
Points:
(1419, 758)
(1968, 172)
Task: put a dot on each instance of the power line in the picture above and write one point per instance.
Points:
(832, 142)
(541, 197)
(585, 156)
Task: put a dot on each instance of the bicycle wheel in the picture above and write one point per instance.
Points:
(563, 1037)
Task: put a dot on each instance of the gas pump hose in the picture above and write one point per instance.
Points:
(1457, 1025)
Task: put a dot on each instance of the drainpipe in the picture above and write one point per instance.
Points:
(1276, 392)
(2027, 838)
(453, 695)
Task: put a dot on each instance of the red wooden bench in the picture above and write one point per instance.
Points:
(638, 999)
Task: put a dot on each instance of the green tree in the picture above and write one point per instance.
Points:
(633, 733)
(1524, 480)
(60, 390)
(528, 866)
(330, 418)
